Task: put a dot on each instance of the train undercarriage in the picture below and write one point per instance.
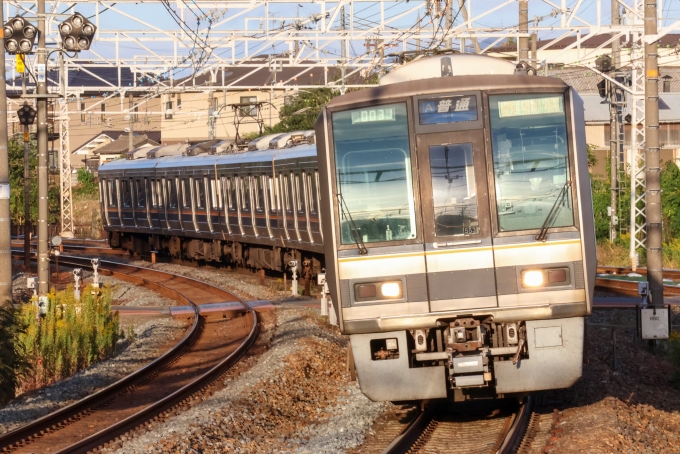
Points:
(233, 253)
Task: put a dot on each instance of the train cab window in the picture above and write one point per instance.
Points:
(454, 193)
(125, 192)
(113, 194)
(200, 193)
(531, 161)
(172, 194)
(141, 192)
(373, 173)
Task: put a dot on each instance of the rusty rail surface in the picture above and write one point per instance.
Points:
(21, 437)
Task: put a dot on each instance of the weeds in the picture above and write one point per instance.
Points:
(14, 365)
(70, 336)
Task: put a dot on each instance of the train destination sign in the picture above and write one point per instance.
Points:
(447, 109)
(373, 114)
(530, 106)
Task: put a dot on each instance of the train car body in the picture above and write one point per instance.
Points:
(258, 209)
(459, 241)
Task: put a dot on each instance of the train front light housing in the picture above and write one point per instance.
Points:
(391, 289)
(532, 278)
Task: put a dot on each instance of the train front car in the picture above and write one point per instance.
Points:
(460, 245)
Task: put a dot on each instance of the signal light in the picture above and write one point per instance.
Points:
(26, 115)
(77, 33)
(19, 36)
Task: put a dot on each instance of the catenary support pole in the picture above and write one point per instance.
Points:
(613, 129)
(131, 122)
(652, 159)
(43, 182)
(5, 253)
(27, 199)
(524, 28)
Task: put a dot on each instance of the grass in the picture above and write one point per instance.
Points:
(69, 337)
(618, 254)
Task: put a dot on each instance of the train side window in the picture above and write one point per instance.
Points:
(141, 192)
(287, 193)
(311, 196)
(230, 187)
(200, 193)
(258, 188)
(454, 191)
(172, 194)
(273, 203)
(299, 195)
(113, 196)
(186, 203)
(154, 195)
(159, 193)
(125, 192)
(215, 193)
(244, 185)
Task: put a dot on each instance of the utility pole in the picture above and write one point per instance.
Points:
(464, 12)
(449, 23)
(523, 29)
(5, 240)
(211, 114)
(614, 107)
(652, 159)
(27, 200)
(343, 48)
(43, 204)
(131, 122)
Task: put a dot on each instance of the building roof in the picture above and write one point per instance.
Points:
(589, 42)
(584, 80)
(596, 112)
(120, 145)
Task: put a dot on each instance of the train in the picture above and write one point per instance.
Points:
(450, 208)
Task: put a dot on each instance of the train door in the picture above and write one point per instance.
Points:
(455, 204)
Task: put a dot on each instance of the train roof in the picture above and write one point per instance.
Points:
(301, 151)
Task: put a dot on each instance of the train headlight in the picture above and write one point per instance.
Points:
(391, 289)
(532, 278)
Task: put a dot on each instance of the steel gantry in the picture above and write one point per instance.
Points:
(168, 44)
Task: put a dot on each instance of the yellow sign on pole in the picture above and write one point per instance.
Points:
(20, 63)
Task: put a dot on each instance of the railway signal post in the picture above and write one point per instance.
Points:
(26, 115)
(5, 253)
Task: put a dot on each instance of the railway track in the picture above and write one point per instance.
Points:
(457, 429)
(208, 349)
(630, 287)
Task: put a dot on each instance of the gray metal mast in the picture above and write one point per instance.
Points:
(614, 127)
(5, 240)
(652, 159)
(449, 23)
(524, 28)
(43, 181)
(131, 121)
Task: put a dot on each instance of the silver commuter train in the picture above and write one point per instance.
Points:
(460, 242)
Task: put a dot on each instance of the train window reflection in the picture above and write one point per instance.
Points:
(531, 161)
(373, 161)
(454, 193)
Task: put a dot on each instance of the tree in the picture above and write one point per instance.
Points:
(300, 114)
(15, 148)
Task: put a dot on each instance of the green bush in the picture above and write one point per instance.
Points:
(14, 366)
(88, 185)
(71, 336)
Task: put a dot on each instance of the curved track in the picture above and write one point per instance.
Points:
(209, 348)
(630, 287)
(490, 430)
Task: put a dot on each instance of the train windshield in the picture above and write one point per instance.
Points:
(373, 165)
(531, 162)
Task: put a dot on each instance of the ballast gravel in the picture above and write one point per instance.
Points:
(298, 398)
(152, 339)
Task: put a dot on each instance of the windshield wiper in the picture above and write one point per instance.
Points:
(543, 233)
(353, 227)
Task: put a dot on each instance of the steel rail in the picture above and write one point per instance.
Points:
(512, 439)
(52, 421)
